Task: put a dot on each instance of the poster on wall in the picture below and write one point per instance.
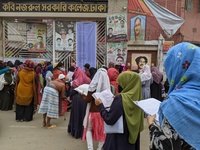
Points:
(117, 53)
(116, 27)
(36, 37)
(138, 25)
(64, 35)
(17, 32)
(167, 45)
(138, 60)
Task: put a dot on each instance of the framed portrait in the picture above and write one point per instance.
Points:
(138, 60)
(36, 37)
(138, 28)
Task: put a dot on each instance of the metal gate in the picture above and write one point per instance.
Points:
(15, 42)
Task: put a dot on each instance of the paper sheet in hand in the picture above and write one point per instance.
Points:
(106, 96)
(150, 106)
(82, 89)
(70, 74)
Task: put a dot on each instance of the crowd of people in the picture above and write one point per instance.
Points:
(51, 88)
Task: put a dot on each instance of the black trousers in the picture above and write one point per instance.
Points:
(25, 113)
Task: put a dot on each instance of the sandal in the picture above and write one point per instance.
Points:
(43, 125)
(51, 127)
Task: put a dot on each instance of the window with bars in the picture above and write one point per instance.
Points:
(189, 5)
(199, 7)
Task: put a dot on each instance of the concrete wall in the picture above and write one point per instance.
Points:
(117, 6)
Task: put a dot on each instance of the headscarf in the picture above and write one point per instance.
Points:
(146, 73)
(182, 107)
(113, 75)
(132, 91)
(92, 71)
(73, 64)
(100, 81)
(8, 75)
(29, 65)
(124, 67)
(38, 70)
(42, 63)
(156, 74)
(80, 78)
(50, 67)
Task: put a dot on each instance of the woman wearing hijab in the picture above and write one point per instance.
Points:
(7, 93)
(129, 86)
(78, 106)
(93, 123)
(113, 74)
(156, 86)
(179, 112)
(146, 79)
(25, 81)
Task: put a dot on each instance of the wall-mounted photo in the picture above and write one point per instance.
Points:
(138, 27)
(139, 60)
(36, 37)
(117, 27)
(64, 35)
(117, 53)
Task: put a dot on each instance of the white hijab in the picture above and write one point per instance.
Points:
(146, 73)
(100, 81)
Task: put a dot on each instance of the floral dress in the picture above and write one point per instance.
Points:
(166, 138)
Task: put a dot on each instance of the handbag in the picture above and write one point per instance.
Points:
(118, 127)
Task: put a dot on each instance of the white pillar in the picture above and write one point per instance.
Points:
(54, 45)
(160, 53)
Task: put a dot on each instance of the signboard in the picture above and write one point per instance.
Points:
(86, 7)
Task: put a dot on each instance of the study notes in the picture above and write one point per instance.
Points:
(150, 106)
(82, 89)
(106, 96)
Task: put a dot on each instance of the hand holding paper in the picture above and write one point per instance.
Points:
(150, 106)
(106, 96)
(82, 89)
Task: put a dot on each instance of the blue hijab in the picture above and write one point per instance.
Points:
(182, 107)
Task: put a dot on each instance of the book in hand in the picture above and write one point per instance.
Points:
(150, 106)
(106, 96)
(82, 89)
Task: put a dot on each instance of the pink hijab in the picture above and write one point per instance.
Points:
(157, 75)
(80, 78)
(113, 75)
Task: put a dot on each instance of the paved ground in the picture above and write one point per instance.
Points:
(31, 136)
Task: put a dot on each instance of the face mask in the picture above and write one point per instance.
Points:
(62, 69)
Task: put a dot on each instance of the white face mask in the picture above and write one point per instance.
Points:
(62, 69)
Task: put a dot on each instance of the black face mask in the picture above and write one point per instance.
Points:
(119, 89)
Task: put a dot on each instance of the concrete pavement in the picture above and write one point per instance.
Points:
(31, 136)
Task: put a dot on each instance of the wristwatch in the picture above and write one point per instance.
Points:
(151, 126)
